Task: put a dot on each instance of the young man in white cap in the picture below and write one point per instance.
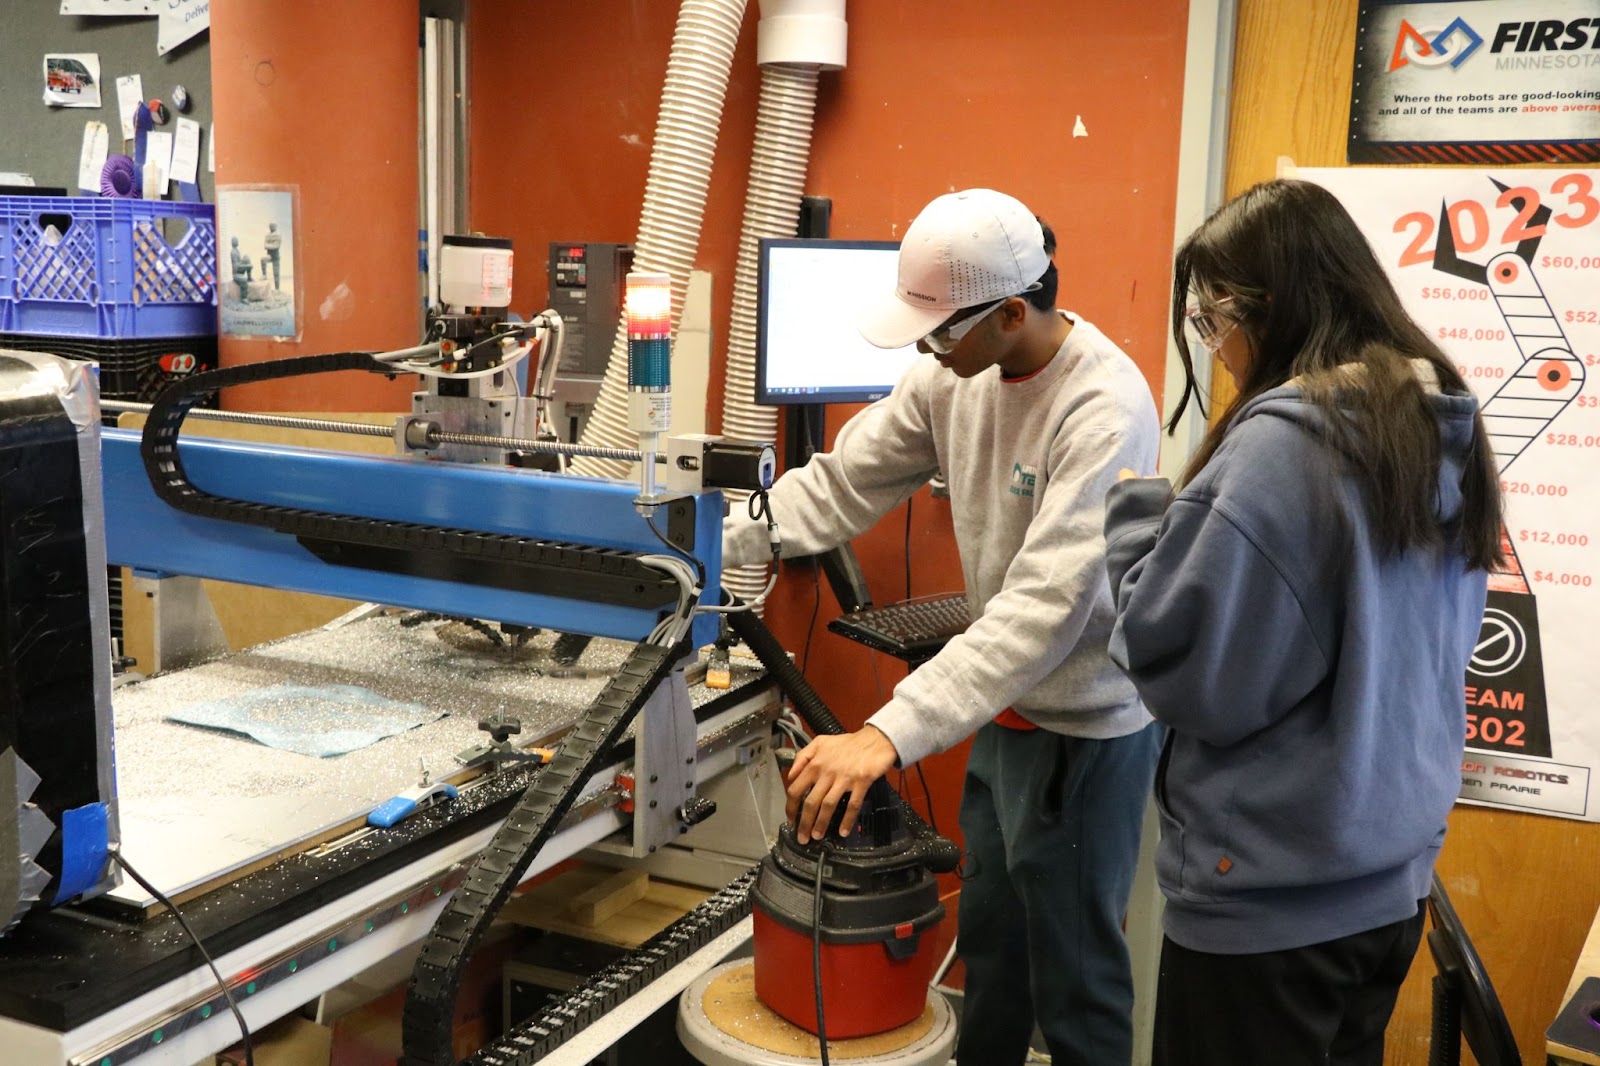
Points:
(1030, 412)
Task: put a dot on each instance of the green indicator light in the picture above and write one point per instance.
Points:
(158, 1037)
(294, 964)
(333, 945)
(437, 891)
(250, 989)
(369, 925)
(205, 1011)
(106, 1061)
(404, 907)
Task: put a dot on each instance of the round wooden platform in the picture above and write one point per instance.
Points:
(722, 1023)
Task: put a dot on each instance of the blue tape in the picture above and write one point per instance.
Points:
(398, 808)
(85, 845)
(386, 814)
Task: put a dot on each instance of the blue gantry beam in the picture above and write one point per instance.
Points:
(144, 533)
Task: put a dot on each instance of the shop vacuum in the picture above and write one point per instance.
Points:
(844, 922)
(862, 920)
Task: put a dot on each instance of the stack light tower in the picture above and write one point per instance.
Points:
(648, 303)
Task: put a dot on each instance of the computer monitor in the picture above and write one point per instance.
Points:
(808, 350)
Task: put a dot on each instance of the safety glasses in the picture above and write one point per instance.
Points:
(943, 340)
(1211, 324)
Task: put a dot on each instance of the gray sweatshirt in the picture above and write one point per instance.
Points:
(1029, 463)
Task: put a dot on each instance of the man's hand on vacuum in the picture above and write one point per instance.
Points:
(828, 768)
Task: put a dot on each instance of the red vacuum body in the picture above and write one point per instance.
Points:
(865, 988)
(879, 902)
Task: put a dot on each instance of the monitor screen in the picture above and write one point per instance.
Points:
(807, 347)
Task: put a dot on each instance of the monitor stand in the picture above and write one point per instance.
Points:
(805, 426)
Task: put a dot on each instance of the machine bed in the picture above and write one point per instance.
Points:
(262, 841)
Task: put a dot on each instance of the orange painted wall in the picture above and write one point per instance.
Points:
(324, 97)
(936, 97)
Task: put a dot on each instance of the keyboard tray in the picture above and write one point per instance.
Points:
(913, 630)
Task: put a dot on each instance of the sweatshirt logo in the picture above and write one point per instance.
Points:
(1022, 478)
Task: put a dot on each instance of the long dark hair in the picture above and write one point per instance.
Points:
(1309, 295)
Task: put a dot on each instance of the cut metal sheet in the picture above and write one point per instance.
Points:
(197, 805)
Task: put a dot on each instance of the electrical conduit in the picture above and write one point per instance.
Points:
(674, 196)
(797, 39)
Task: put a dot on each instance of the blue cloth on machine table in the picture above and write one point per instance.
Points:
(321, 721)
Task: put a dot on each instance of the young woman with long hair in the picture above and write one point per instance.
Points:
(1300, 614)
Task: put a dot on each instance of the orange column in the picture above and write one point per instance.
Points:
(323, 98)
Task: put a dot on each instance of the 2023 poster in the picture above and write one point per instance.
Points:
(1502, 268)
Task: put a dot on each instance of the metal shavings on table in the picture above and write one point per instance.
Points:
(195, 804)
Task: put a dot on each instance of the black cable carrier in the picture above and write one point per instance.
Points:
(560, 1021)
(431, 997)
(498, 560)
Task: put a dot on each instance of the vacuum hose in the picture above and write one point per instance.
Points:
(754, 632)
(937, 853)
(698, 68)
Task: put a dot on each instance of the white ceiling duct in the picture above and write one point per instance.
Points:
(797, 39)
(674, 195)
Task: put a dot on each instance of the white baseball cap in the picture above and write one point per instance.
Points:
(965, 249)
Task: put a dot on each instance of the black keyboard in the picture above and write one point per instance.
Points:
(913, 630)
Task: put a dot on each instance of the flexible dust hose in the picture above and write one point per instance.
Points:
(674, 195)
(754, 632)
(772, 209)
(795, 40)
(937, 853)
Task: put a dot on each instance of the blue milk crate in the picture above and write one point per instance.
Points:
(83, 266)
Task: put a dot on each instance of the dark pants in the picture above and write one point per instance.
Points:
(1327, 1004)
(1052, 834)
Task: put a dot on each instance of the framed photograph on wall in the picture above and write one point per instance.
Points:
(257, 254)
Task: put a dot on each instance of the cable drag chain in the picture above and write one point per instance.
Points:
(430, 999)
(158, 449)
(559, 1022)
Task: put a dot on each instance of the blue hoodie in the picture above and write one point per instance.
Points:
(1312, 681)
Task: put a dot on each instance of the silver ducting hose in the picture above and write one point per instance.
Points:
(797, 39)
(778, 163)
(674, 195)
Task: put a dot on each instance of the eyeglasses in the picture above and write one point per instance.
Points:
(943, 340)
(1211, 324)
